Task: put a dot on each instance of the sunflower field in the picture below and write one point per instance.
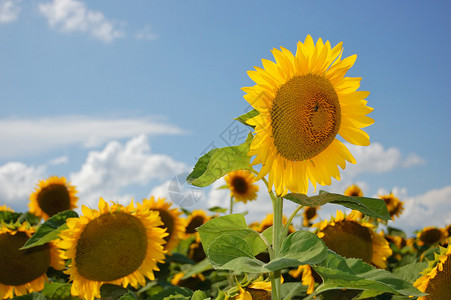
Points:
(153, 249)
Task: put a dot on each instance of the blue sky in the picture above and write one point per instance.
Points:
(121, 96)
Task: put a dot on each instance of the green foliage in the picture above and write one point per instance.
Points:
(9, 217)
(58, 291)
(116, 292)
(369, 206)
(249, 115)
(232, 252)
(220, 161)
(410, 272)
(174, 293)
(350, 273)
(50, 229)
(199, 295)
(32, 296)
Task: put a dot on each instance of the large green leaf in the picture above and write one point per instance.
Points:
(220, 161)
(231, 224)
(350, 273)
(58, 291)
(232, 252)
(50, 229)
(249, 115)
(369, 206)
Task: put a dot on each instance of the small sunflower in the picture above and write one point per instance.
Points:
(174, 224)
(197, 218)
(52, 196)
(118, 245)
(394, 206)
(196, 250)
(24, 271)
(350, 238)
(309, 214)
(304, 101)
(258, 290)
(6, 208)
(307, 278)
(353, 190)
(436, 278)
(191, 282)
(241, 185)
(431, 235)
(268, 221)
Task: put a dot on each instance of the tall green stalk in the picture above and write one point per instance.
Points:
(277, 239)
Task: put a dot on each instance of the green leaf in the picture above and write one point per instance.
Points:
(369, 206)
(199, 295)
(174, 292)
(230, 224)
(30, 218)
(32, 296)
(50, 229)
(116, 292)
(58, 291)
(410, 272)
(218, 209)
(232, 252)
(396, 232)
(249, 115)
(350, 273)
(200, 267)
(9, 217)
(220, 161)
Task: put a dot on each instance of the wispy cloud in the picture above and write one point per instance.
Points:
(9, 11)
(31, 136)
(146, 34)
(73, 16)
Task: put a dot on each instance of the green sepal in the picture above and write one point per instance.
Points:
(220, 161)
(369, 206)
(50, 229)
(249, 115)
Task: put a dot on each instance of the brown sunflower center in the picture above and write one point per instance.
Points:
(305, 117)
(240, 185)
(259, 294)
(195, 222)
(111, 246)
(439, 287)
(18, 267)
(53, 199)
(431, 236)
(310, 212)
(349, 239)
(168, 223)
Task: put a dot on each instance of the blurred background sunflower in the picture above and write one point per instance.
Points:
(241, 185)
(51, 196)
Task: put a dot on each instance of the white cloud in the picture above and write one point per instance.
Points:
(106, 173)
(31, 136)
(17, 182)
(9, 11)
(146, 34)
(59, 160)
(73, 16)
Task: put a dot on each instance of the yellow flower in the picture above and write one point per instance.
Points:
(6, 208)
(52, 196)
(197, 218)
(310, 213)
(24, 271)
(241, 185)
(437, 277)
(259, 289)
(350, 238)
(307, 277)
(353, 190)
(172, 222)
(431, 235)
(394, 206)
(304, 101)
(118, 245)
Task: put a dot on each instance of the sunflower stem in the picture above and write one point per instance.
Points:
(231, 205)
(277, 242)
(290, 219)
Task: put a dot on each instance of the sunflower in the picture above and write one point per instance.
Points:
(437, 277)
(174, 224)
(350, 238)
(24, 271)
(353, 190)
(196, 250)
(307, 278)
(394, 206)
(118, 245)
(6, 208)
(52, 196)
(197, 218)
(268, 222)
(304, 101)
(192, 282)
(431, 235)
(309, 214)
(259, 289)
(241, 185)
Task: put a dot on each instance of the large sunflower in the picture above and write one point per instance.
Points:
(118, 245)
(24, 271)
(241, 185)
(304, 101)
(52, 196)
(349, 237)
(436, 278)
(174, 224)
